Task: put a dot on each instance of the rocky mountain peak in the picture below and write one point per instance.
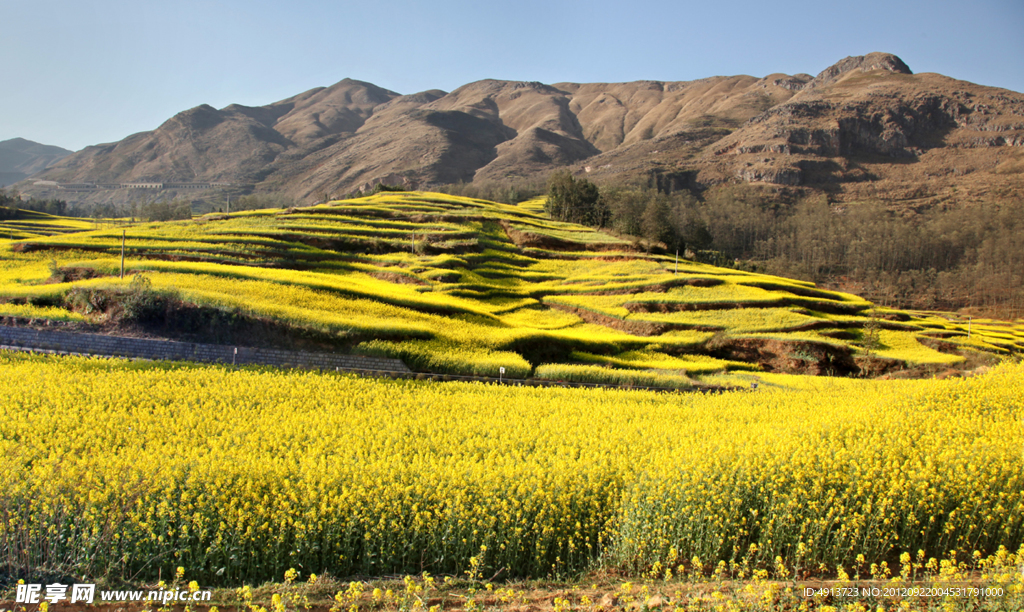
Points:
(861, 63)
(201, 117)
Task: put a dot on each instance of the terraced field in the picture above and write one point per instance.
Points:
(457, 285)
(32, 224)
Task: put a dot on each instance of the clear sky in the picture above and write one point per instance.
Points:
(81, 72)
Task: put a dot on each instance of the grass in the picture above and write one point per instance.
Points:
(358, 476)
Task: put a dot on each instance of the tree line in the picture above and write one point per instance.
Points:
(141, 210)
(12, 207)
(10, 203)
(945, 258)
(504, 192)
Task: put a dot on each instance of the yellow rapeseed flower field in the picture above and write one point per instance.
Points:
(239, 475)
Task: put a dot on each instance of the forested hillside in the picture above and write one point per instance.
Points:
(945, 258)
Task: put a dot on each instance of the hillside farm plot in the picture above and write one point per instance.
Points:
(32, 224)
(449, 284)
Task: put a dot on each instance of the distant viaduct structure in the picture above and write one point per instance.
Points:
(140, 185)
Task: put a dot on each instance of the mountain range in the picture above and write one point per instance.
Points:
(20, 158)
(866, 127)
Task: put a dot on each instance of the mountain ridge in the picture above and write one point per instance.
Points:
(862, 125)
(20, 158)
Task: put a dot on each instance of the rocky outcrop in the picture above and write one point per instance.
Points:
(859, 63)
(896, 127)
(870, 109)
(770, 174)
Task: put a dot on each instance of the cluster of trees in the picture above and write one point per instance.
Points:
(942, 258)
(163, 210)
(153, 210)
(143, 209)
(964, 257)
(506, 193)
(10, 203)
(674, 221)
(574, 200)
(257, 201)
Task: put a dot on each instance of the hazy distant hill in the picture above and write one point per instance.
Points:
(20, 158)
(863, 127)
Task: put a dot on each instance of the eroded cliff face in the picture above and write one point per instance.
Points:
(863, 120)
(891, 125)
(869, 119)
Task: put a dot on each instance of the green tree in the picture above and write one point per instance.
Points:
(654, 223)
(574, 200)
(625, 209)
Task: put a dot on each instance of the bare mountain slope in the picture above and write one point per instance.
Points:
(20, 158)
(200, 144)
(864, 125)
(416, 146)
(341, 108)
(877, 125)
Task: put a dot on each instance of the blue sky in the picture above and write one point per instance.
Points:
(76, 73)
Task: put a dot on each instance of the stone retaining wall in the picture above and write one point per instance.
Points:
(116, 346)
